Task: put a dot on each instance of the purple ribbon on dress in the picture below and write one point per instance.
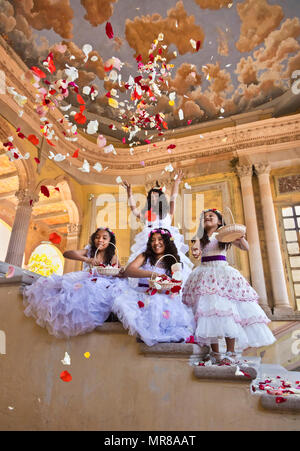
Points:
(212, 258)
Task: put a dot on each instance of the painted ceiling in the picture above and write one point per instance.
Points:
(153, 66)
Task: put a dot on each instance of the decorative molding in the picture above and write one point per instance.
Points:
(26, 197)
(262, 168)
(259, 137)
(74, 229)
(244, 171)
(288, 184)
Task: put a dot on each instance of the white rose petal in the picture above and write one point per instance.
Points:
(119, 179)
(85, 167)
(92, 127)
(66, 360)
(180, 114)
(98, 167)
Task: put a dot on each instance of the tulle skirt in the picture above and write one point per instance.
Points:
(72, 304)
(155, 319)
(225, 305)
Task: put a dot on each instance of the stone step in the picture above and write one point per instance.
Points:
(278, 402)
(226, 372)
(173, 350)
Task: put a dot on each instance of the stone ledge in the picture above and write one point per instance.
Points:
(225, 372)
(112, 327)
(292, 403)
(173, 350)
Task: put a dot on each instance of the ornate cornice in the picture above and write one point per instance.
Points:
(260, 137)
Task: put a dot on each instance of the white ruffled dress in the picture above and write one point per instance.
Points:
(72, 304)
(224, 303)
(155, 319)
(142, 237)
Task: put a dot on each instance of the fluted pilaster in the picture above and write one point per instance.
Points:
(255, 258)
(17, 242)
(279, 288)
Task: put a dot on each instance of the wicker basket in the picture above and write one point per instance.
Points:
(163, 286)
(231, 232)
(107, 270)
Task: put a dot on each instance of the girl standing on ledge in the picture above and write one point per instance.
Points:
(154, 316)
(223, 302)
(77, 302)
(158, 212)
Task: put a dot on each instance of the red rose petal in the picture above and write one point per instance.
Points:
(45, 191)
(38, 72)
(198, 44)
(141, 304)
(80, 118)
(109, 30)
(75, 154)
(36, 160)
(65, 376)
(80, 99)
(54, 238)
(33, 139)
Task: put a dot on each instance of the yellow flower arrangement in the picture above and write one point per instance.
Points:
(41, 264)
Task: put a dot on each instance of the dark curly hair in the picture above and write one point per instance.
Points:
(205, 239)
(170, 248)
(109, 251)
(161, 208)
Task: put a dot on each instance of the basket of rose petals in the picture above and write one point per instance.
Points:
(165, 283)
(107, 270)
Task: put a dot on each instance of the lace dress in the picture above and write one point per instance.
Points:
(224, 303)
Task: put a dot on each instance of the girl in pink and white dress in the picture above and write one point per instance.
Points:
(223, 302)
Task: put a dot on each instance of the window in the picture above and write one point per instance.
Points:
(291, 225)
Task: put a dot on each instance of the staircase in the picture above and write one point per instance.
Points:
(124, 385)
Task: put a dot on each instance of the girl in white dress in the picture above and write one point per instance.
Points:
(158, 212)
(154, 316)
(223, 302)
(77, 302)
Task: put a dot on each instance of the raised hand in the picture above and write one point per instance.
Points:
(127, 186)
(179, 176)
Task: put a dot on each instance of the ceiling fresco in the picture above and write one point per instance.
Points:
(141, 68)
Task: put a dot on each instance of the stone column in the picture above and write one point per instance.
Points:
(72, 244)
(17, 242)
(279, 288)
(255, 258)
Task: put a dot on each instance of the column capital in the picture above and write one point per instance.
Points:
(244, 170)
(26, 197)
(262, 168)
(74, 229)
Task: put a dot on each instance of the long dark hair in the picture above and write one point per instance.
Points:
(162, 206)
(170, 248)
(109, 251)
(205, 239)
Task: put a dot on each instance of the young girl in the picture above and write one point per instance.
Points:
(155, 317)
(223, 302)
(76, 302)
(158, 212)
